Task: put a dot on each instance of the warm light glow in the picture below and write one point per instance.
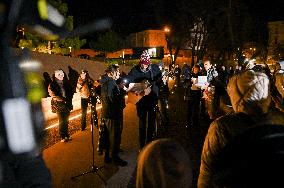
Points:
(71, 118)
(167, 30)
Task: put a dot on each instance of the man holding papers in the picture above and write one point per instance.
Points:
(147, 75)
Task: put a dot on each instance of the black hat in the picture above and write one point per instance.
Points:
(112, 68)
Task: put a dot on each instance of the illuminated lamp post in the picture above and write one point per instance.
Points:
(167, 31)
(123, 60)
(70, 50)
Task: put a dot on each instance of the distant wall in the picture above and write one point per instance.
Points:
(54, 62)
(51, 62)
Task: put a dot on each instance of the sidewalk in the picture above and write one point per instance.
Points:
(66, 160)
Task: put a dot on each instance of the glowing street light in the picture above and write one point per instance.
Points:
(70, 50)
(167, 30)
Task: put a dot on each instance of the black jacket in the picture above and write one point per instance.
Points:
(112, 98)
(153, 75)
(54, 90)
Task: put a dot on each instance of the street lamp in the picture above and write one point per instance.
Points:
(70, 50)
(123, 61)
(167, 30)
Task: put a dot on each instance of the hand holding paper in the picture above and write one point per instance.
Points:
(147, 91)
(137, 90)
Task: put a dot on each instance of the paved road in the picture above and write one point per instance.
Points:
(69, 159)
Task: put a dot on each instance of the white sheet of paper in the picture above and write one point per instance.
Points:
(201, 80)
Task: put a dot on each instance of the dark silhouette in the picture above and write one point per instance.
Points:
(252, 159)
(73, 76)
(46, 82)
(163, 163)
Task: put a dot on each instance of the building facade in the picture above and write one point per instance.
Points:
(154, 41)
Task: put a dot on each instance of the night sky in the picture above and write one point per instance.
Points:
(126, 16)
(133, 16)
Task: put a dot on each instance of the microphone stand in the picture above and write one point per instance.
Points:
(94, 168)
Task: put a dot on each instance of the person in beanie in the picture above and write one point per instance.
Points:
(111, 114)
(146, 106)
(61, 93)
(163, 163)
(194, 98)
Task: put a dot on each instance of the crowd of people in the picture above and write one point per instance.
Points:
(244, 139)
(235, 102)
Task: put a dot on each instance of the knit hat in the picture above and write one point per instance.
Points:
(163, 163)
(58, 73)
(145, 58)
(249, 92)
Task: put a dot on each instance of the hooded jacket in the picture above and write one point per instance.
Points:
(249, 94)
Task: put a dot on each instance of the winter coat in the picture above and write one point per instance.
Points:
(222, 131)
(84, 87)
(249, 94)
(164, 91)
(252, 159)
(177, 72)
(111, 98)
(65, 102)
(211, 74)
(279, 82)
(153, 75)
(186, 71)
